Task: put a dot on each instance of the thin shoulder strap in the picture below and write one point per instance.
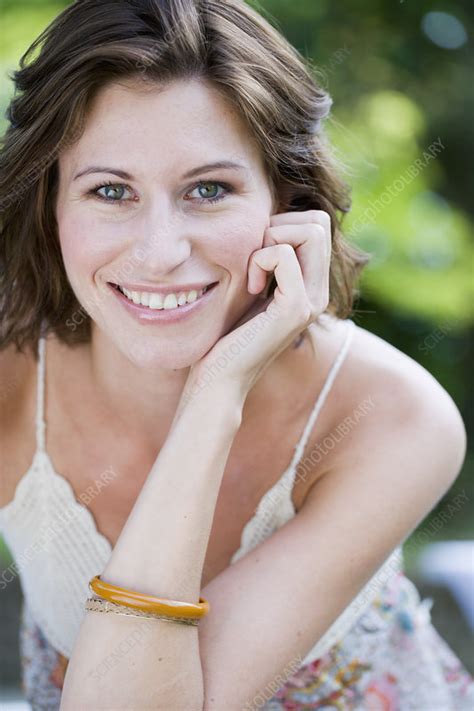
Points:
(299, 449)
(40, 423)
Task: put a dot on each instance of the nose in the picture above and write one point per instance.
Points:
(165, 243)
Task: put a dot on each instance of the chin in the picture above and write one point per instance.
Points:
(166, 347)
(154, 354)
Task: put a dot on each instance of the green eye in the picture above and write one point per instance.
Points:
(204, 185)
(114, 192)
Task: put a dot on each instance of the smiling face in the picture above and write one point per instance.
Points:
(157, 227)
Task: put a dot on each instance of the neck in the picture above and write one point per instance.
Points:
(144, 400)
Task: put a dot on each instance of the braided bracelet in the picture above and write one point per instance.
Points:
(99, 605)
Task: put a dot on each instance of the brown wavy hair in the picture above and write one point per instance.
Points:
(94, 42)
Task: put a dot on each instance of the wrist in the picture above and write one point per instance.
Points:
(221, 401)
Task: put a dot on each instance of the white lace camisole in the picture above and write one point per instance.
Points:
(57, 548)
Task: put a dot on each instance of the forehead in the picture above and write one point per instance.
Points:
(159, 124)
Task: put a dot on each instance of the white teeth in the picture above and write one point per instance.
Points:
(157, 301)
(170, 301)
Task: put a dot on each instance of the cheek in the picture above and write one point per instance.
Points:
(85, 249)
(234, 240)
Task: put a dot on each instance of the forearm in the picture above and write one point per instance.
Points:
(161, 552)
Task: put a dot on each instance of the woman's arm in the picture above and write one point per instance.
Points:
(273, 605)
(160, 551)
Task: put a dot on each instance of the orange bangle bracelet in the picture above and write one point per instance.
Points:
(148, 603)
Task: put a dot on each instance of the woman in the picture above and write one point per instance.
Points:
(174, 394)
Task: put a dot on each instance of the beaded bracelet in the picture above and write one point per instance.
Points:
(148, 603)
(99, 605)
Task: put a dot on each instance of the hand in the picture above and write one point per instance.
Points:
(297, 248)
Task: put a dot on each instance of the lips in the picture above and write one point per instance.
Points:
(148, 316)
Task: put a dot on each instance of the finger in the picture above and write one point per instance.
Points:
(282, 260)
(312, 245)
(293, 218)
(319, 217)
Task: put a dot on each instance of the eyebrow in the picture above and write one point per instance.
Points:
(221, 164)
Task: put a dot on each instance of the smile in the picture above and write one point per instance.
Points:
(150, 307)
(157, 301)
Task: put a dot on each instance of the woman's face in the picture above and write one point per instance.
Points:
(158, 227)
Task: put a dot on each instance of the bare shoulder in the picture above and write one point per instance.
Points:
(387, 396)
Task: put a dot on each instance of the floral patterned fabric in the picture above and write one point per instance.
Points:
(393, 659)
(43, 668)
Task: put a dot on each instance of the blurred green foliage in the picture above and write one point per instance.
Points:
(397, 93)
